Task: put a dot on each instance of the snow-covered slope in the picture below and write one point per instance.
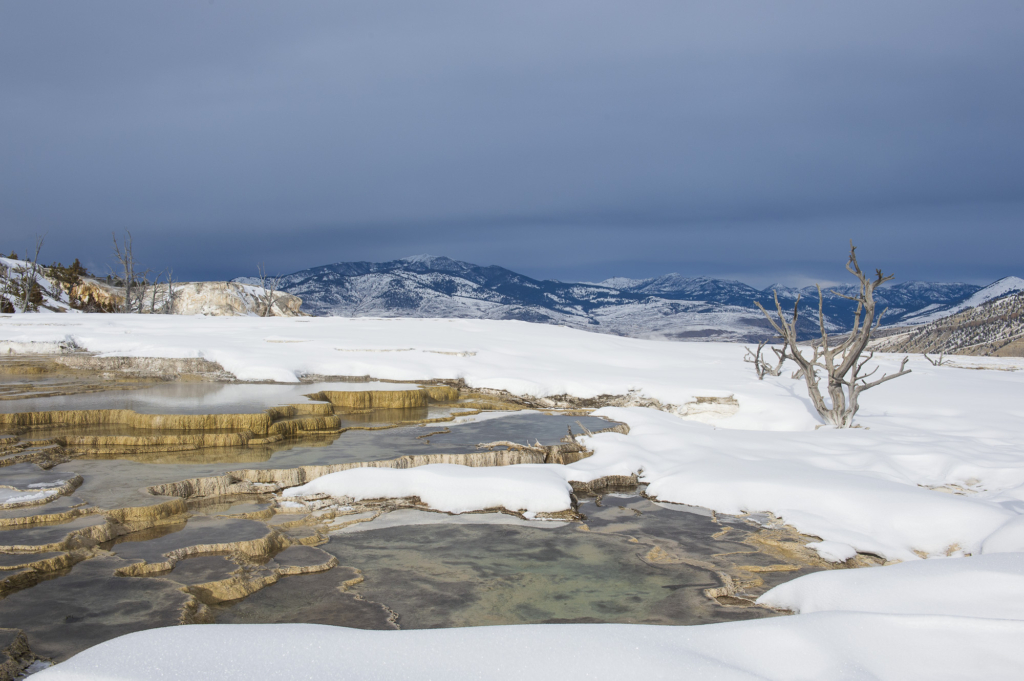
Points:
(995, 327)
(998, 289)
(47, 295)
(671, 306)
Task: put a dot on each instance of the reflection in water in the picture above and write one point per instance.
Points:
(192, 398)
(371, 445)
(88, 605)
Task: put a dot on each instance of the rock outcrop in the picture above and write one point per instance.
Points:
(221, 299)
(211, 298)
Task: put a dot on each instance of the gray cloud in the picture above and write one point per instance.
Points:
(562, 139)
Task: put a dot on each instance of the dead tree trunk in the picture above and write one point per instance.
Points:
(265, 300)
(29, 280)
(129, 279)
(168, 307)
(842, 364)
(5, 290)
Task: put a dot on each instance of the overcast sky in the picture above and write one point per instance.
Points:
(573, 140)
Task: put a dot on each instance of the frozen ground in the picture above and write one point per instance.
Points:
(937, 472)
(833, 645)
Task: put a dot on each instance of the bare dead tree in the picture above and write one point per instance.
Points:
(843, 364)
(5, 289)
(168, 307)
(265, 300)
(29, 284)
(936, 362)
(761, 365)
(142, 287)
(152, 299)
(129, 278)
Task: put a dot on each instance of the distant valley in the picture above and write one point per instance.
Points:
(671, 307)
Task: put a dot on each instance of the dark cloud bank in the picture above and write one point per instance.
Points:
(572, 140)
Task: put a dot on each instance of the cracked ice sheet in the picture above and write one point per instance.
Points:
(807, 647)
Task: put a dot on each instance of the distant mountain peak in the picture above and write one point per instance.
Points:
(623, 283)
(424, 258)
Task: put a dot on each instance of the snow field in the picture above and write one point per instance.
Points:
(869, 488)
(936, 471)
(833, 645)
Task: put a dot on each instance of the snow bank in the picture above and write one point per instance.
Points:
(856, 487)
(980, 586)
(872, 515)
(811, 647)
(833, 551)
(872, 489)
(1008, 538)
(451, 488)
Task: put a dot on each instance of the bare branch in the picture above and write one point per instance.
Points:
(841, 365)
(843, 295)
(887, 377)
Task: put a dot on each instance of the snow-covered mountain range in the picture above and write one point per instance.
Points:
(993, 327)
(671, 306)
(1004, 287)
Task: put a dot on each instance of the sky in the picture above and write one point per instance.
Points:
(572, 140)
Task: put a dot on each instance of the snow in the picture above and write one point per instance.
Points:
(16, 268)
(451, 488)
(32, 348)
(405, 517)
(834, 645)
(859, 487)
(520, 357)
(936, 472)
(979, 586)
(12, 497)
(879, 489)
(618, 282)
(833, 551)
(997, 289)
(421, 258)
(1008, 538)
